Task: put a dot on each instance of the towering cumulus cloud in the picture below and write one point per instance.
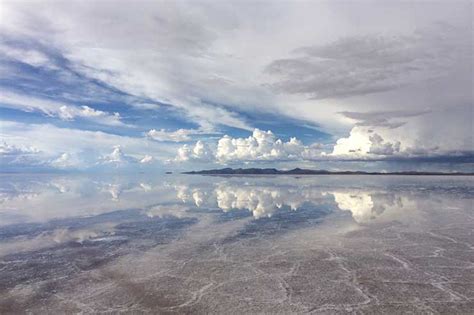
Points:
(260, 146)
(200, 152)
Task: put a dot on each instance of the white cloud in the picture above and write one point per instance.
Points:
(260, 146)
(379, 147)
(414, 138)
(196, 57)
(180, 135)
(118, 158)
(58, 109)
(146, 106)
(147, 159)
(363, 142)
(6, 149)
(81, 148)
(356, 145)
(31, 57)
(66, 160)
(161, 211)
(200, 152)
(21, 154)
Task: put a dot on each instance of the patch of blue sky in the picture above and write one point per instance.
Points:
(163, 117)
(285, 128)
(282, 126)
(137, 125)
(60, 83)
(34, 117)
(68, 87)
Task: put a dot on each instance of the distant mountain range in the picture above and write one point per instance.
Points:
(300, 171)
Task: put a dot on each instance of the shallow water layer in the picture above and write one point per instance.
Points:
(202, 244)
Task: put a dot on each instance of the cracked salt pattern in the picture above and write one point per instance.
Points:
(225, 245)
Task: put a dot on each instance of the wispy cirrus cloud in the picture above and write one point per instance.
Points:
(29, 56)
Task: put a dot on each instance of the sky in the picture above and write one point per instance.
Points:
(178, 85)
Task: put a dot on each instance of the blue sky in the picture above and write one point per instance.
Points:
(113, 85)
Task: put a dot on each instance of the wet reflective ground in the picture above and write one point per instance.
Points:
(200, 244)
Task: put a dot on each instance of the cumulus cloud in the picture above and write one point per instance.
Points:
(65, 160)
(364, 143)
(199, 152)
(6, 149)
(180, 135)
(58, 109)
(19, 154)
(375, 142)
(84, 148)
(260, 146)
(379, 147)
(356, 145)
(117, 157)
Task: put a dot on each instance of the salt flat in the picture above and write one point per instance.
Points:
(197, 244)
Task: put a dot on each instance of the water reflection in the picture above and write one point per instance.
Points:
(260, 200)
(380, 203)
(186, 242)
(41, 198)
(371, 206)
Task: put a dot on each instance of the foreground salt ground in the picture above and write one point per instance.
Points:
(237, 245)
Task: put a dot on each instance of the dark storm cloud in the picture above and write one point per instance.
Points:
(358, 65)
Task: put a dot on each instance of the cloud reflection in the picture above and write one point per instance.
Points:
(72, 217)
(366, 207)
(264, 200)
(365, 204)
(33, 200)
